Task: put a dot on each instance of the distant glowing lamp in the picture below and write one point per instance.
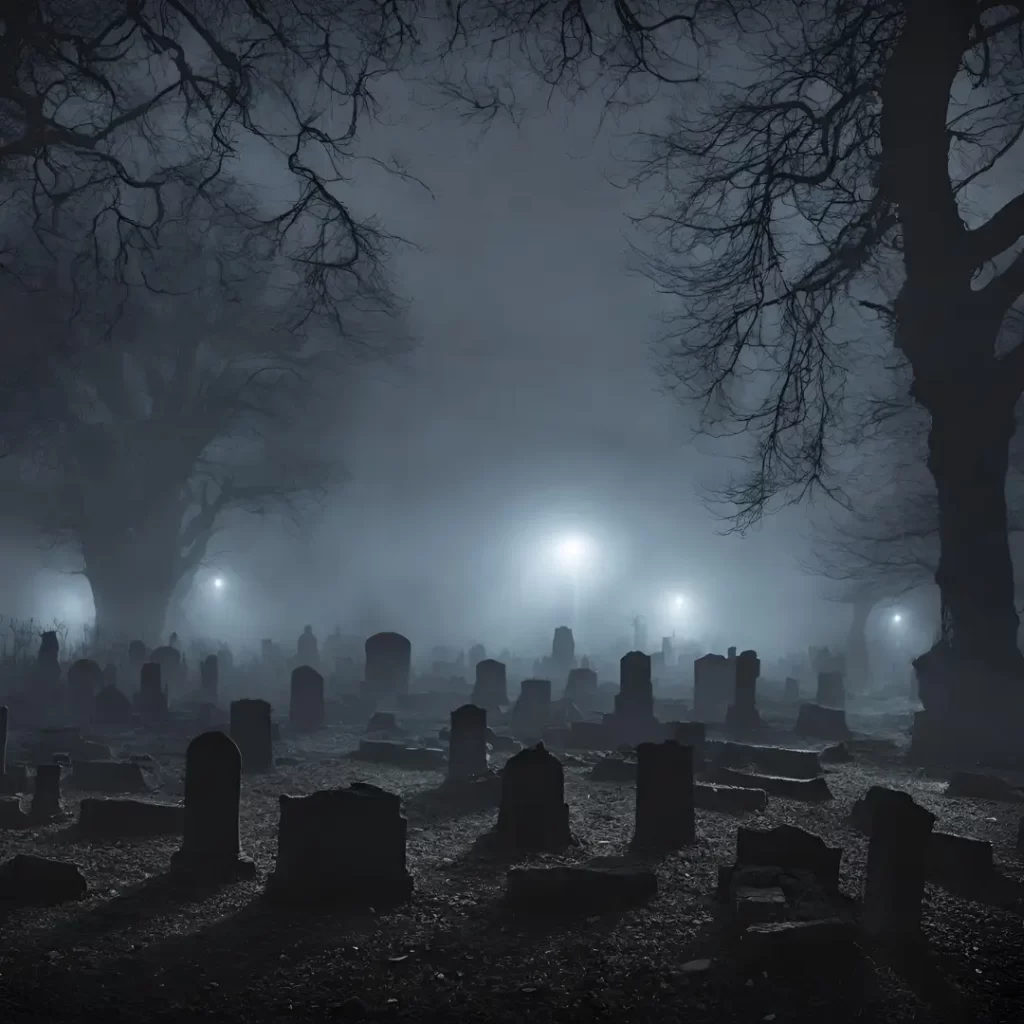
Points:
(572, 551)
(897, 618)
(218, 582)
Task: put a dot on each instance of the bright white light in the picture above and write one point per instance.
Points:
(572, 551)
(678, 601)
(897, 619)
(218, 582)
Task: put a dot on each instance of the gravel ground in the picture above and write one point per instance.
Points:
(138, 950)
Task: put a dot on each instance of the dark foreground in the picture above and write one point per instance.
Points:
(139, 949)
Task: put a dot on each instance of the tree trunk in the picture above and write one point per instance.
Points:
(129, 605)
(858, 662)
(968, 455)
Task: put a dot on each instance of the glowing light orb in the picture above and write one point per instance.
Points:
(218, 582)
(897, 619)
(572, 551)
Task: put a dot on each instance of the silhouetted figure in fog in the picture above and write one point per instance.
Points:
(307, 648)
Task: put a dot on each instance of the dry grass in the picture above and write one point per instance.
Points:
(139, 950)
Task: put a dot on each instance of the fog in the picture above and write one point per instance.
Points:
(530, 410)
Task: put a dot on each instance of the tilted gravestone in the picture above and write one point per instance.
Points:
(532, 710)
(742, 714)
(341, 845)
(46, 802)
(490, 689)
(252, 732)
(533, 815)
(901, 832)
(112, 707)
(210, 847)
(581, 688)
(665, 817)
(467, 743)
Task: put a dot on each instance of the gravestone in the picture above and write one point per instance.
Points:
(137, 655)
(792, 691)
(789, 847)
(112, 707)
(210, 846)
(252, 732)
(821, 722)
(490, 688)
(47, 694)
(306, 704)
(46, 802)
(152, 695)
(341, 845)
(533, 815)
(742, 713)
(694, 736)
(831, 690)
(467, 743)
(104, 818)
(209, 677)
(532, 711)
(388, 663)
(477, 653)
(581, 688)
(714, 683)
(85, 679)
(664, 797)
(563, 651)
(634, 720)
(307, 649)
(900, 831)
(171, 669)
(3, 741)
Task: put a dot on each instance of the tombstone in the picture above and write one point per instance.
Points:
(532, 710)
(388, 663)
(152, 696)
(714, 683)
(831, 690)
(111, 707)
(467, 743)
(253, 734)
(209, 677)
(110, 674)
(477, 653)
(900, 832)
(307, 649)
(46, 801)
(633, 718)
(742, 713)
(210, 847)
(490, 690)
(563, 650)
(792, 692)
(85, 678)
(47, 694)
(823, 723)
(581, 688)
(694, 736)
(137, 655)
(342, 845)
(306, 705)
(533, 815)
(664, 797)
(169, 660)
(267, 651)
(667, 653)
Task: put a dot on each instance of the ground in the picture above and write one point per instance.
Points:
(137, 949)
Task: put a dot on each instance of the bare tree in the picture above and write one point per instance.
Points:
(204, 401)
(107, 106)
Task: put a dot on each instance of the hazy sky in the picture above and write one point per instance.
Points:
(529, 410)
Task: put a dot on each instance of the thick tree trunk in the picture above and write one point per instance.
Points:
(858, 662)
(968, 453)
(129, 605)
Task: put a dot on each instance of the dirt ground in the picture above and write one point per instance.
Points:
(138, 949)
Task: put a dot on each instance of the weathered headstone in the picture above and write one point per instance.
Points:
(831, 690)
(563, 651)
(694, 736)
(664, 797)
(388, 664)
(634, 720)
(345, 845)
(105, 818)
(168, 658)
(210, 846)
(533, 815)
(47, 694)
(900, 832)
(821, 722)
(46, 802)
(714, 682)
(26, 878)
(532, 711)
(742, 713)
(467, 743)
(152, 695)
(581, 688)
(307, 649)
(209, 677)
(252, 732)
(789, 847)
(306, 706)
(490, 688)
(85, 678)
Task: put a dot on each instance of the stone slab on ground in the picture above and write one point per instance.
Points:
(812, 790)
(587, 889)
(108, 777)
(781, 761)
(40, 881)
(101, 818)
(730, 799)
